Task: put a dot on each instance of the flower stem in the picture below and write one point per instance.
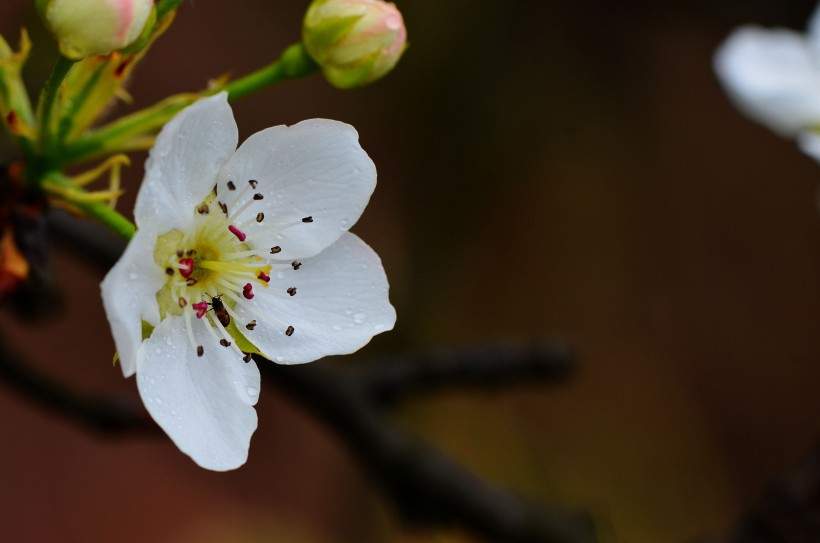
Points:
(119, 135)
(48, 98)
(66, 191)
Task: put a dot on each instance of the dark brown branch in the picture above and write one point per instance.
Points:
(789, 511)
(96, 413)
(427, 488)
(488, 367)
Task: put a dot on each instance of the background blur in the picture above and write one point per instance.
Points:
(547, 168)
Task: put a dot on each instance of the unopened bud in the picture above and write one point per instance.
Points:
(96, 27)
(355, 42)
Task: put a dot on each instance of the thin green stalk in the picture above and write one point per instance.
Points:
(59, 185)
(49, 97)
(115, 137)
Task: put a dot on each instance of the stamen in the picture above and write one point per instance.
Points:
(190, 281)
(260, 217)
(258, 196)
(247, 358)
(231, 186)
(169, 271)
(263, 277)
(224, 342)
(247, 291)
(296, 264)
(292, 291)
(307, 219)
(186, 267)
(253, 183)
(203, 209)
(240, 235)
(180, 253)
(289, 331)
(201, 308)
(182, 302)
(200, 350)
(275, 250)
(251, 325)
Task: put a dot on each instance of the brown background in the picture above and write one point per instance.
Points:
(547, 168)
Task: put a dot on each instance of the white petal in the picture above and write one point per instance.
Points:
(809, 143)
(183, 164)
(773, 76)
(315, 168)
(205, 404)
(813, 29)
(129, 297)
(341, 302)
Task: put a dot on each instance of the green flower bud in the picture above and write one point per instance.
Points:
(96, 27)
(355, 42)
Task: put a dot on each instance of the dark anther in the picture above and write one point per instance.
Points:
(257, 196)
(215, 190)
(260, 217)
(307, 219)
(247, 358)
(231, 186)
(253, 183)
(296, 264)
(203, 209)
(200, 350)
(223, 207)
(182, 302)
(190, 252)
(224, 342)
(251, 325)
(169, 271)
(275, 250)
(180, 253)
(190, 281)
(289, 331)
(292, 291)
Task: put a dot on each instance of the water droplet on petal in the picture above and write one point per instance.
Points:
(359, 318)
(253, 392)
(337, 327)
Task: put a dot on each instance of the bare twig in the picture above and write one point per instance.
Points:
(789, 511)
(97, 413)
(488, 367)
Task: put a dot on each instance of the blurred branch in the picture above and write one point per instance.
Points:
(489, 367)
(427, 488)
(788, 512)
(96, 413)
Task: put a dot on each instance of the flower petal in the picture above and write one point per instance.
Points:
(340, 303)
(204, 404)
(809, 143)
(129, 297)
(773, 76)
(813, 29)
(183, 163)
(314, 170)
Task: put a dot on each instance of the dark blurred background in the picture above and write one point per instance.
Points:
(546, 169)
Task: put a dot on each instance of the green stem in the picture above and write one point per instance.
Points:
(62, 187)
(49, 97)
(115, 137)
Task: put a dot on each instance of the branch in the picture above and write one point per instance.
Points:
(789, 510)
(489, 367)
(426, 487)
(95, 413)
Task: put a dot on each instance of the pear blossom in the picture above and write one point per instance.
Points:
(773, 76)
(241, 251)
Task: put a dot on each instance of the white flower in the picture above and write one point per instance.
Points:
(260, 231)
(773, 76)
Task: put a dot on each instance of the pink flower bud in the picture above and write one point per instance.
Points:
(355, 42)
(95, 27)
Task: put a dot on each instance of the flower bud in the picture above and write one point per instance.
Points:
(95, 27)
(355, 42)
